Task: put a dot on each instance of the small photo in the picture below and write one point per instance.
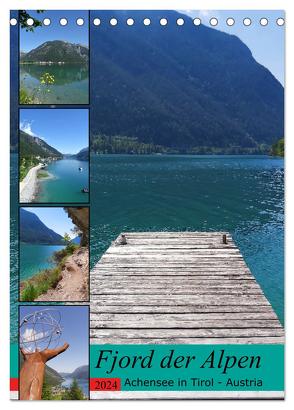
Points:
(54, 57)
(54, 156)
(54, 356)
(54, 254)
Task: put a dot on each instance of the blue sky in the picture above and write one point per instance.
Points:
(67, 130)
(266, 43)
(54, 218)
(71, 32)
(75, 329)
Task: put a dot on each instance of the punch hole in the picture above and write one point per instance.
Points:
(230, 21)
(280, 21)
(130, 22)
(96, 22)
(263, 21)
(63, 21)
(180, 22)
(113, 22)
(80, 21)
(30, 22)
(46, 22)
(247, 21)
(13, 22)
(213, 21)
(163, 22)
(197, 21)
(146, 22)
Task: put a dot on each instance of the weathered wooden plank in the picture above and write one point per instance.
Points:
(121, 308)
(172, 251)
(173, 291)
(175, 233)
(158, 282)
(215, 264)
(151, 278)
(212, 236)
(171, 270)
(161, 281)
(163, 323)
(173, 244)
(163, 300)
(168, 317)
(117, 280)
(189, 340)
(129, 333)
(186, 258)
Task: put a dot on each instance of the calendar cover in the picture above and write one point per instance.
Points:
(147, 204)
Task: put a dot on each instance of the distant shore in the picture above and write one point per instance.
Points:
(28, 186)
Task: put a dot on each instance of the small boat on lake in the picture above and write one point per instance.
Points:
(80, 169)
(85, 190)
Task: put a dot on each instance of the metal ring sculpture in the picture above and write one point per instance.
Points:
(39, 330)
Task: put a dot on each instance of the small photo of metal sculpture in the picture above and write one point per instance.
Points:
(53, 359)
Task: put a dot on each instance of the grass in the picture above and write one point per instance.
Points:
(25, 165)
(47, 279)
(43, 174)
(24, 97)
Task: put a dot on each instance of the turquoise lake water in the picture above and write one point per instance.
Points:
(34, 258)
(71, 84)
(67, 182)
(241, 194)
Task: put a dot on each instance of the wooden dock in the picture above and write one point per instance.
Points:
(178, 287)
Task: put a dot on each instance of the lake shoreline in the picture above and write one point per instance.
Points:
(39, 269)
(29, 185)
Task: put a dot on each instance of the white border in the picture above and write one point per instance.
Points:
(4, 175)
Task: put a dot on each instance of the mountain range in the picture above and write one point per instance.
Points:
(52, 376)
(56, 51)
(76, 240)
(33, 230)
(35, 146)
(83, 154)
(180, 87)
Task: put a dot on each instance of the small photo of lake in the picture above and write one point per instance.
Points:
(54, 58)
(54, 156)
(54, 254)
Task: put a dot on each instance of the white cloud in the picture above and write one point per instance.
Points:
(204, 15)
(30, 335)
(26, 126)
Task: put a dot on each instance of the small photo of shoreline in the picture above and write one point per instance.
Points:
(54, 156)
(54, 254)
(53, 58)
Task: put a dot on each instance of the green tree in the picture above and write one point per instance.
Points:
(75, 392)
(278, 149)
(47, 391)
(23, 16)
(66, 237)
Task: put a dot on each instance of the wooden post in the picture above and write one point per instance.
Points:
(225, 239)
